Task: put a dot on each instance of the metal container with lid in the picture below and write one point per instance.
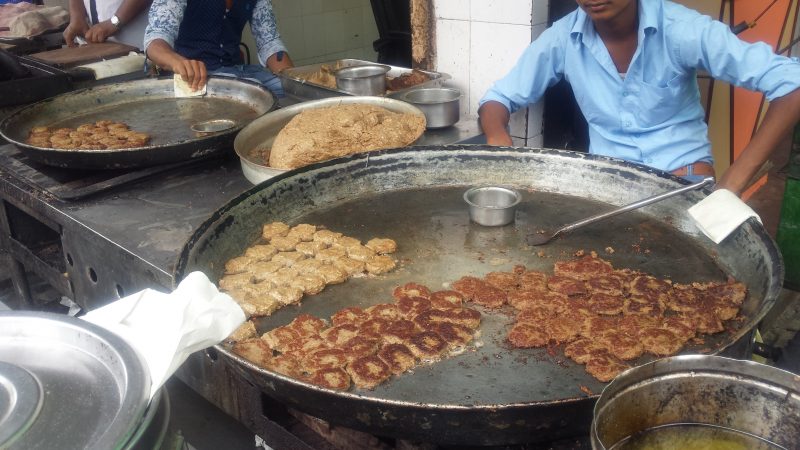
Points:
(66, 383)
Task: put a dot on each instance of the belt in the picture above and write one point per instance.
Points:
(698, 168)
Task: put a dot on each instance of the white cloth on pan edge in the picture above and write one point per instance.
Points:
(719, 214)
(166, 328)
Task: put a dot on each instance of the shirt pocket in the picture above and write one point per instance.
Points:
(660, 101)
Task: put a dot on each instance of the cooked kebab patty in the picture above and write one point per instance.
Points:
(368, 371)
(618, 314)
(101, 135)
(398, 357)
(332, 378)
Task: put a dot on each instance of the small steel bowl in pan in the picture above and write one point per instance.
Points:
(362, 80)
(440, 105)
(699, 401)
(492, 206)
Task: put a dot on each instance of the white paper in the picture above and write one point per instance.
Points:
(719, 214)
(166, 328)
(183, 89)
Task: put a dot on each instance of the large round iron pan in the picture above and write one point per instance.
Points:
(494, 395)
(149, 106)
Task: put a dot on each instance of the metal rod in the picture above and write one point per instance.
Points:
(634, 205)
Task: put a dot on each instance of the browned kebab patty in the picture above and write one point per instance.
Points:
(602, 316)
(365, 347)
(605, 316)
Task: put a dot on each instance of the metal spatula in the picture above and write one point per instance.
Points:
(543, 238)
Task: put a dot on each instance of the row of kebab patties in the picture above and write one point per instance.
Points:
(289, 262)
(602, 316)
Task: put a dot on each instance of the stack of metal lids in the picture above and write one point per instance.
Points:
(66, 383)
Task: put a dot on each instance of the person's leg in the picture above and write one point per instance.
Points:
(228, 71)
(252, 73)
(263, 76)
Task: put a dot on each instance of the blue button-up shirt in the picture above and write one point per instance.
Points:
(652, 114)
(205, 30)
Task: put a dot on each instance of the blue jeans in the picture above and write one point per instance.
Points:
(252, 72)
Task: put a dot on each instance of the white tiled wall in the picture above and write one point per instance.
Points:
(478, 41)
(324, 30)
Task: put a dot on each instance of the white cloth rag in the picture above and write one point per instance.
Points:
(719, 214)
(132, 62)
(165, 329)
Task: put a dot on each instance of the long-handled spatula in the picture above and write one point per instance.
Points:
(543, 238)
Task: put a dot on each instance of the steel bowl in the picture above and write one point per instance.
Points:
(362, 80)
(440, 105)
(492, 206)
(711, 391)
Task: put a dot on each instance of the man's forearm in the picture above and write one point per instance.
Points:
(781, 117)
(162, 54)
(129, 9)
(76, 9)
(494, 117)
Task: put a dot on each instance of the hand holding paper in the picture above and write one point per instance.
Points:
(719, 214)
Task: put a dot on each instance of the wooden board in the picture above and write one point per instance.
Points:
(70, 57)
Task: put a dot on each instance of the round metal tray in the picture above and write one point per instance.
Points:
(148, 106)
(494, 394)
(260, 134)
(94, 389)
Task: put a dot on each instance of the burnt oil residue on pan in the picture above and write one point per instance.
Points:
(493, 394)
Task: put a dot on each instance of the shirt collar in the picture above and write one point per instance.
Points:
(649, 13)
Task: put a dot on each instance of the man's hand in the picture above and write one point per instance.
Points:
(279, 62)
(100, 32)
(77, 27)
(501, 140)
(192, 71)
(494, 118)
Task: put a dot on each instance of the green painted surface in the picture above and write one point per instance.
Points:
(788, 236)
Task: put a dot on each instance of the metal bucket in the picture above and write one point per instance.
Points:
(741, 396)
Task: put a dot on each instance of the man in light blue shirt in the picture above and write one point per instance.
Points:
(633, 66)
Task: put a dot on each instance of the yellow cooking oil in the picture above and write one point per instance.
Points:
(693, 437)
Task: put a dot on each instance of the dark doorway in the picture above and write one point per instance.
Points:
(564, 124)
(393, 18)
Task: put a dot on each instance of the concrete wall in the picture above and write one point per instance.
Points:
(478, 41)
